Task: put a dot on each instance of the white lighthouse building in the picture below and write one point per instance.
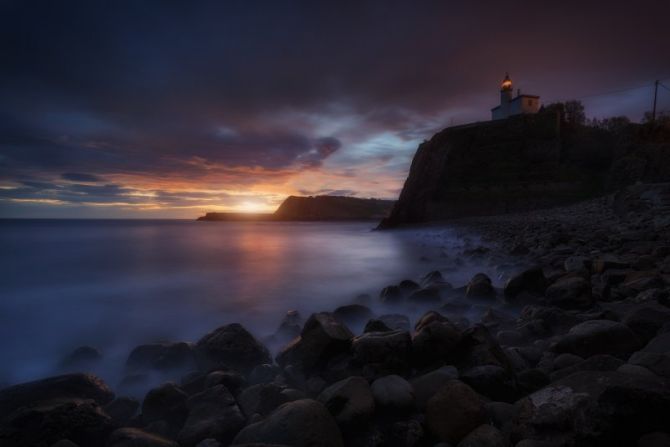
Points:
(510, 105)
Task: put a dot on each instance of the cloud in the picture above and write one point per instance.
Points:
(79, 177)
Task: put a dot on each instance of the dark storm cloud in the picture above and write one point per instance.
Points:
(79, 177)
(173, 89)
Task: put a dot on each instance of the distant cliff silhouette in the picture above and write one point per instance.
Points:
(315, 208)
(523, 163)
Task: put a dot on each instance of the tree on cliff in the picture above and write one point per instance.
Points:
(571, 112)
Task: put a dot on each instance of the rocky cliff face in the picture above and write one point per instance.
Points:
(520, 164)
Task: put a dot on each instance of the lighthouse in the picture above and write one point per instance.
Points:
(513, 105)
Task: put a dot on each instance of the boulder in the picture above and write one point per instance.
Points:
(134, 437)
(647, 320)
(396, 322)
(600, 362)
(391, 295)
(122, 409)
(212, 413)
(427, 385)
(655, 356)
(232, 380)
(375, 325)
(353, 315)
(531, 282)
(161, 356)
(577, 264)
(261, 399)
(454, 411)
(408, 286)
(484, 436)
(570, 292)
(655, 439)
(594, 408)
(166, 402)
(480, 286)
(43, 423)
(230, 346)
(598, 337)
(322, 337)
(263, 373)
(76, 386)
(434, 339)
(381, 353)
(301, 423)
(425, 296)
(492, 381)
(82, 357)
(608, 262)
(393, 394)
(476, 347)
(290, 326)
(350, 401)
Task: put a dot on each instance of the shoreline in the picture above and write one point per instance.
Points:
(588, 317)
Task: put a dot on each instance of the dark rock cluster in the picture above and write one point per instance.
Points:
(574, 350)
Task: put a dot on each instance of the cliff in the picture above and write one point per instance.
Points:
(332, 208)
(523, 163)
(315, 208)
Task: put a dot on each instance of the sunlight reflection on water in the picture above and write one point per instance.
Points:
(116, 284)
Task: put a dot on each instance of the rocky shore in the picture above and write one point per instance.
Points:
(574, 350)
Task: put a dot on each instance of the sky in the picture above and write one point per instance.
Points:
(173, 108)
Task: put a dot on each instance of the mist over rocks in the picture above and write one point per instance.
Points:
(566, 344)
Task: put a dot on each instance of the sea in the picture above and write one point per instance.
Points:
(115, 284)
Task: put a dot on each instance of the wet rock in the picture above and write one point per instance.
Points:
(501, 414)
(162, 357)
(353, 314)
(134, 437)
(570, 292)
(598, 337)
(594, 408)
(232, 380)
(290, 326)
(381, 353)
(75, 386)
(577, 264)
(375, 325)
(426, 296)
(42, 423)
(193, 382)
(491, 381)
(230, 346)
(434, 339)
(454, 412)
(408, 286)
(213, 413)
(261, 399)
(480, 286)
(427, 385)
(82, 357)
(477, 347)
(396, 322)
(527, 284)
(393, 394)
(122, 409)
(484, 436)
(510, 337)
(609, 262)
(434, 277)
(302, 423)
(350, 401)
(567, 360)
(263, 374)
(656, 439)
(322, 337)
(655, 356)
(602, 362)
(166, 402)
(647, 320)
(391, 295)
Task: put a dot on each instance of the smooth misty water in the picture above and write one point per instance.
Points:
(116, 284)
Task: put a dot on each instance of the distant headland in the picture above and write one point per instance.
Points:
(314, 208)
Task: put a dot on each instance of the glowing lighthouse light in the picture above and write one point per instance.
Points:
(506, 83)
